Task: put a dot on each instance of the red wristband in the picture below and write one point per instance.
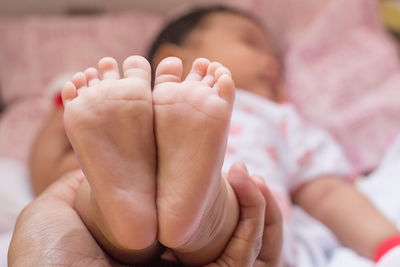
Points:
(58, 103)
(385, 246)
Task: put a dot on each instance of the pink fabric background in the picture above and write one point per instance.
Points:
(342, 71)
(35, 50)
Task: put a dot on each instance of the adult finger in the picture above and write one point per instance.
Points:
(65, 188)
(270, 253)
(245, 244)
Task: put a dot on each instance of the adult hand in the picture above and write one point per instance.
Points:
(50, 232)
(257, 240)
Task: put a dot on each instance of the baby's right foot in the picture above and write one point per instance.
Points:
(191, 123)
(109, 122)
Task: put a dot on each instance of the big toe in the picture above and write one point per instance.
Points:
(137, 67)
(169, 70)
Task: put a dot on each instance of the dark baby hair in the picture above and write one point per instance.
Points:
(178, 30)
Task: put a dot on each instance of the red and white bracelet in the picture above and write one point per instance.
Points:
(386, 246)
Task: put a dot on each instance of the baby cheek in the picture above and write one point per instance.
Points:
(274, 71)
(243, 75)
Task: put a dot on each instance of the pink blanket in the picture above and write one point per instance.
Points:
(342, 71)
(36, 50)
(344, 74)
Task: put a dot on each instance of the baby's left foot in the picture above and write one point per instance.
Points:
(192, 120)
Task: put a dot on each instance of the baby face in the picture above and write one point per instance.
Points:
(242, 46)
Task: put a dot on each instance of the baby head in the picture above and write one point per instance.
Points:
(228, 36)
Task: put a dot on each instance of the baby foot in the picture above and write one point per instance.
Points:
(109, 122)
(191, 123)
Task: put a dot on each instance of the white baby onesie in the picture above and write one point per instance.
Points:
(274, 142)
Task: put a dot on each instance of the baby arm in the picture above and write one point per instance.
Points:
(348, 213)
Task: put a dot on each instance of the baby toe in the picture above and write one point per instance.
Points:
(226, 88)
(79, 80)
(68, 92)
(209, 78)
(108, 67)
(169, 70)
(137, 67)
(92, 76)
(199, 69)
